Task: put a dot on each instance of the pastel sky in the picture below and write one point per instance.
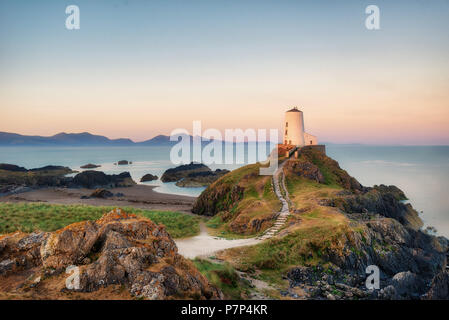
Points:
(141, 68)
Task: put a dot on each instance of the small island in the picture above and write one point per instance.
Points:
(90, 166)
(148, 177)
(123, 162)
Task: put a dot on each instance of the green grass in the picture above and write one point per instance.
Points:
(28, 217)
(224, 277)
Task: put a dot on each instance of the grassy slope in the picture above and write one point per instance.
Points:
(259, 202)
(311, 229)
(29, 217)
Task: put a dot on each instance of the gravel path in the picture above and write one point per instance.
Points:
(204, 245)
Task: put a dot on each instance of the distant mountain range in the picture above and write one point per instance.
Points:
(76, 139)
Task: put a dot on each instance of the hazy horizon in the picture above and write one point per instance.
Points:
(280, 141)
(137, 69)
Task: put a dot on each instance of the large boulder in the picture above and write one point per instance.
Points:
(128, 247)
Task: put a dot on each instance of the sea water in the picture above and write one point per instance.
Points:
(422, 172)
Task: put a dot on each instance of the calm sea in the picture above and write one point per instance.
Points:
(422, 172)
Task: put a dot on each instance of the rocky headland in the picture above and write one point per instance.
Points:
(132, 256)
(335, 230)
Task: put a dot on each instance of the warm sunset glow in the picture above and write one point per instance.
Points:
(139, 70)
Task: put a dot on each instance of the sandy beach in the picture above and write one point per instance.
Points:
(139, 196)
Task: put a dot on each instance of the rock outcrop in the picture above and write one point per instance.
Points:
(96, 179)
(306, 170)
(192, 175)
(148, 177)
(118, 249)
(411, 264)
(383, 200)
(13, 177)
(355, 198)
(176, 174)
(217, 199)
(312, 164)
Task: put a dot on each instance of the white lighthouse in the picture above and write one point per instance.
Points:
(294, 130)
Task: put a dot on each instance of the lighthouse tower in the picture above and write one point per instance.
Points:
(294, 130)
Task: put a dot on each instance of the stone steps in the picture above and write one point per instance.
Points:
(283, 214)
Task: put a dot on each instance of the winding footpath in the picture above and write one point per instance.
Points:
(283, 214)
(204, 245)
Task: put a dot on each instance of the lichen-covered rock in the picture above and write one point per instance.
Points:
(20, 250)
(117, 249)
(69, 245)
